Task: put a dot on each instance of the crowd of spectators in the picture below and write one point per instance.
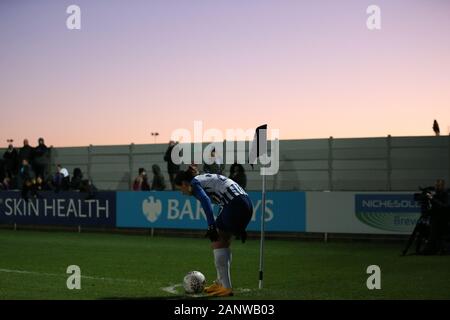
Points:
(28, 169)
(141, 182)
(19, 167)
(214, 165)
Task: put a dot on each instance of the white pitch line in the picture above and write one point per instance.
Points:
(172, 289)
(62, 275)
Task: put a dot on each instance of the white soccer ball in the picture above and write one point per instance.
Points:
(194, 282)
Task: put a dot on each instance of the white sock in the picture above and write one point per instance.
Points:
(222, 260)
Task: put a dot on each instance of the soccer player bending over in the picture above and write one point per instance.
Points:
(235, 214)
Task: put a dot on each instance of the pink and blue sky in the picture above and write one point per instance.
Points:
(309, 68)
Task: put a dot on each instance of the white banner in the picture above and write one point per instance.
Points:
(361, 212)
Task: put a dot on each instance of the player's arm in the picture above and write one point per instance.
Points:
(205, 201)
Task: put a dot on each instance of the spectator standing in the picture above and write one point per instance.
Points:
(61, 179)
(215, 166)
(26, 178)
(141, 181)
(439, 218)
(25, 172)
(41, 159)
(237, 174)
(77, 178)
(158, 183)
(10, 158)
(26, 152)
(172, 168)
(65, 180)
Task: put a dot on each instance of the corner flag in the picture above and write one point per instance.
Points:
(258, 147)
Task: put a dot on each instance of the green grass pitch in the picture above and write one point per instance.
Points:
(33, 266)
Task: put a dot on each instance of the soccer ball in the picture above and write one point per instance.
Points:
(194, 282)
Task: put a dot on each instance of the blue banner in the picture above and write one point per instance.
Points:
(285, 211)
(62, 208)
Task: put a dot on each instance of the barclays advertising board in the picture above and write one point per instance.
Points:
(391, 212)
(285, 211)
(63, 208)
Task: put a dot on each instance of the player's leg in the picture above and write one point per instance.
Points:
(222, 255)
(222, 258)
(233, 219)
(222, 261)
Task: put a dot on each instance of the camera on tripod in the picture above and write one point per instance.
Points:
(424, 199)
(421, 231)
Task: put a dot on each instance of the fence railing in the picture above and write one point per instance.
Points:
(359, 164)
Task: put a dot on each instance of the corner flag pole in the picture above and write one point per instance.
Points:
(258, 148)
(261, 245)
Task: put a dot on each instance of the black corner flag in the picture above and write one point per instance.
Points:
(259, 144)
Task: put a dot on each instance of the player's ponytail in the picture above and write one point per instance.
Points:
(193, 170)
(187, 175)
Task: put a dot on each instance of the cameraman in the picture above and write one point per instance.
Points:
(439, 216)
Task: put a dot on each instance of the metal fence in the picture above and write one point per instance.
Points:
(355, 164)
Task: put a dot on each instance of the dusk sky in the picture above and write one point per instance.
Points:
(311, 69)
